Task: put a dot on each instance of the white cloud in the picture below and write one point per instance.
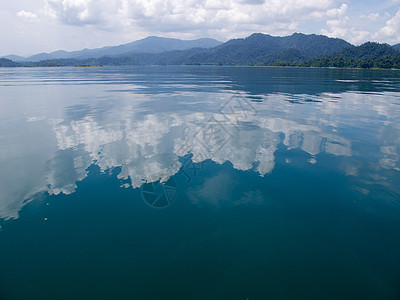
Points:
(341, 29)
(28, 16)
(392, 28)
(337, 12)
(76, 24)
(88, 23)
(188, 16)
(340, 25)
(372, 17)
(220, 13)
(375, 17)
(76, 12)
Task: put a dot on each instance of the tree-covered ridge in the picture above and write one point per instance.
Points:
(366, 56)
(4, 62)
(262, 49)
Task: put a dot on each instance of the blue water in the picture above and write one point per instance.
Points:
(199, 183)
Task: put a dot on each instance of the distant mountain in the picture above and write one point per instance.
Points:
(44, 56)
(150, 44)
(397, 47)
(155, 44)
(4, 62)
(14, 57)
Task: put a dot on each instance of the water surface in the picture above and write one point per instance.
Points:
(199, 183)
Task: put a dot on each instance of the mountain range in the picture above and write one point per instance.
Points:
(151, 44)
(257, 49)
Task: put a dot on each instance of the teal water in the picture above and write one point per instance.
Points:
(199, 183)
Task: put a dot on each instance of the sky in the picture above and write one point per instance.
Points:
(32, 26)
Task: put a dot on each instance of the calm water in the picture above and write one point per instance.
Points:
(199, 183)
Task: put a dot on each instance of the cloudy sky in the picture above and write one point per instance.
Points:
(32, 26)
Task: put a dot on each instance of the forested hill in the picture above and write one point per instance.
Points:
(368, 55)
(4, 62)
(261, 49)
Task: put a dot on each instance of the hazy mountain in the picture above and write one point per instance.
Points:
(155, 44)
(397, 46)
(150, 44)
(14, 57)
(44, 56)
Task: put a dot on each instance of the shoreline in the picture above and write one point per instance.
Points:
(204, 65)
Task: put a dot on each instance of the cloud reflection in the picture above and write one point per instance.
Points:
(147, 145)
(147, 148)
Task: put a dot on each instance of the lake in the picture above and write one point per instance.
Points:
(199, 183)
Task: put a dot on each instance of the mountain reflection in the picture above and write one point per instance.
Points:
(146, 137)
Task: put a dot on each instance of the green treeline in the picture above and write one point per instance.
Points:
(367, 56)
